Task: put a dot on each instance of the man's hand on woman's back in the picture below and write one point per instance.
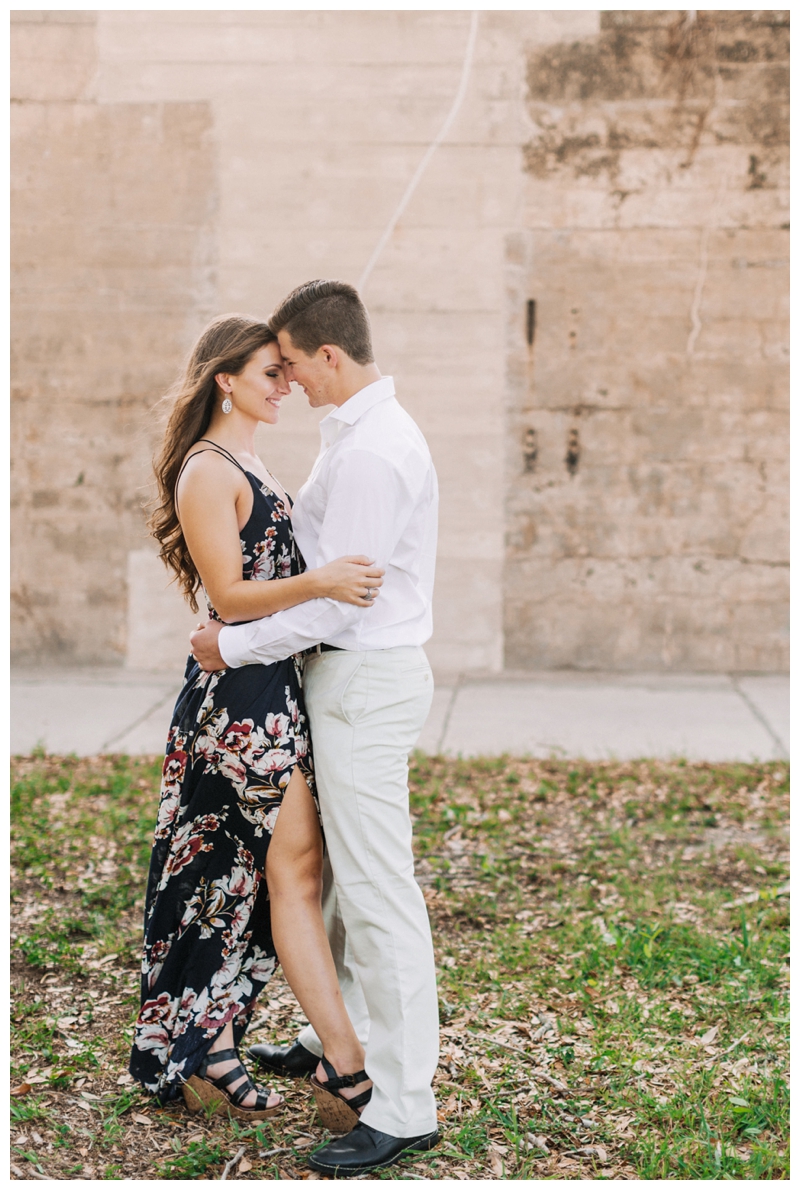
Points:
(204, 644)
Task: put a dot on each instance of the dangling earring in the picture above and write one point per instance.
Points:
(227, 405)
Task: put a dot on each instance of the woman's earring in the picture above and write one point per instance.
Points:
(227, 405)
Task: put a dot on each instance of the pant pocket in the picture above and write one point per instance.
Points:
(353, 698)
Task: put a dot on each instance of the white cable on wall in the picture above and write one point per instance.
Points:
(434, 145)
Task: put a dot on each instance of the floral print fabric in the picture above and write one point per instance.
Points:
(235, 738)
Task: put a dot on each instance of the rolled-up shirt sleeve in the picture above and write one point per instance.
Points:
(369, 503)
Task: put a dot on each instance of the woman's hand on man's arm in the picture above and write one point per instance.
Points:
(348, 580)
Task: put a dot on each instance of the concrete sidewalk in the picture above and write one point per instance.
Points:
(597, 716)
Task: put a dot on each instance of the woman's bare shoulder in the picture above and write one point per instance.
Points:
(206, 472)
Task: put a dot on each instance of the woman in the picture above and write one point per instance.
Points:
(235, 873)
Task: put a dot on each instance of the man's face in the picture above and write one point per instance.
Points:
(311, 372)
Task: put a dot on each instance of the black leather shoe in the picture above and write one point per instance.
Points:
(292, 1061)
(366, 1148)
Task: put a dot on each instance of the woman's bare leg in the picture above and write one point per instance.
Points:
(294, 879)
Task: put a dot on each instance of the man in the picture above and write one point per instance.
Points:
(368, 690)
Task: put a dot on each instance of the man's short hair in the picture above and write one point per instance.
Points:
(322, 312)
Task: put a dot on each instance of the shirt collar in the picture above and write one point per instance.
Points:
(361, 401)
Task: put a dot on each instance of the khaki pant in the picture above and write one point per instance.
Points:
(366, 711)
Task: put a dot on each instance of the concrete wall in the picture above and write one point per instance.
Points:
(112, 251)
(172, 165)
(648, 426)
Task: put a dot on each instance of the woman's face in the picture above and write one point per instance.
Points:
(261, 385)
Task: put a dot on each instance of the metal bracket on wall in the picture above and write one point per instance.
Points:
(573, 451)
(530, 326)
(530, 449)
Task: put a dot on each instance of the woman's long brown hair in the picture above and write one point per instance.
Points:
(225, 345)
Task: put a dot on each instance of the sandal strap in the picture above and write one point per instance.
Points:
(224, 1081)
(212, 1058)
(335, 1081)
(242, 1092)
(358, 1101)
(233, 1076)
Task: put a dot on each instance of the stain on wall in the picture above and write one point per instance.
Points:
(650, 530)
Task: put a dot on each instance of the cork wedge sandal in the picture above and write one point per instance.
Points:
(201, 1092)
(337, 1113)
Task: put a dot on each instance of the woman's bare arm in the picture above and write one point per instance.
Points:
(214, 499)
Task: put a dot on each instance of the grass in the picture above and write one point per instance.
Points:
(611, 944)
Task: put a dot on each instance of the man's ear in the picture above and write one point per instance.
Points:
(330, 355)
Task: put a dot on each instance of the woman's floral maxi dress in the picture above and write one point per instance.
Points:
(235, 738)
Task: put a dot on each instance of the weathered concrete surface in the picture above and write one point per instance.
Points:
(91, 710)
(209, 161)
(607, 716)
(111, 268)
(648, 429)
(168, 165)
(708, 717)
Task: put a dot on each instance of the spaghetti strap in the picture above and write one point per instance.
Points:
(215, 448)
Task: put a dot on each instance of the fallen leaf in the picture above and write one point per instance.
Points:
(303, 1144)
(591, 1151)
(22, 1089)
(708, 1037)
(245, 1165)
(496, 1162)
(138, 1119)
(124, 1079)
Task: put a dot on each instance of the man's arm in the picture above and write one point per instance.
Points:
(368, 502)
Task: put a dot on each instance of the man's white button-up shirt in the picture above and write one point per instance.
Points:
(372, 491)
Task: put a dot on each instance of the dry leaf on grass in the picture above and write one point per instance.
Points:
(22, 1089)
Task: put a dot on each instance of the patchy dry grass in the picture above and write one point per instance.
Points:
(611, 941)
